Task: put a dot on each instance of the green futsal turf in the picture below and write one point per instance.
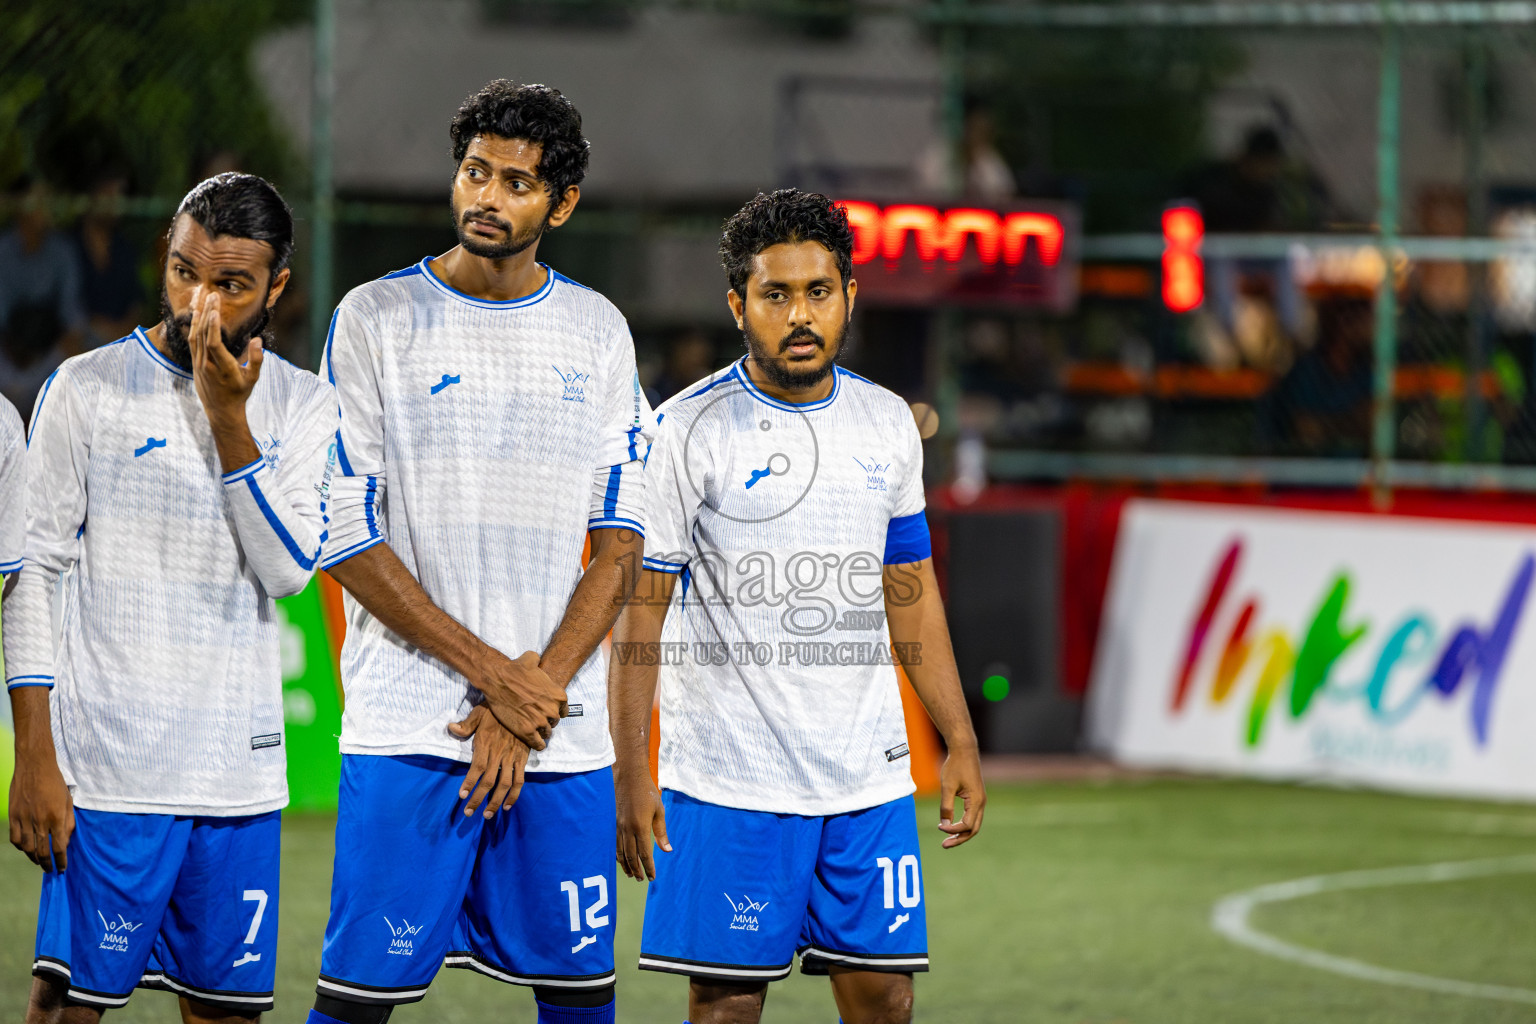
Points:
(1078, 903)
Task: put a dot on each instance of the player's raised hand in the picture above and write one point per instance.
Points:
(520, 694)
(222, 381)
(496, 767)
(961, 777)
(41, 811)
(640, 815)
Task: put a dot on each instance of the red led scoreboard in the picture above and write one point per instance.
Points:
(916, 254)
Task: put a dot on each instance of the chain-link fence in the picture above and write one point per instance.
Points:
(1345, 160)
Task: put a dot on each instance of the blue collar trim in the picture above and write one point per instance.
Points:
(740, 373)
(527, 300)
(158, 356)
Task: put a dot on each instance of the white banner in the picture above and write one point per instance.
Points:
(1393, 652)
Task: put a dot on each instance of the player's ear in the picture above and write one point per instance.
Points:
(733, 299)
(850, 290)
(565, 207)
(278, 284)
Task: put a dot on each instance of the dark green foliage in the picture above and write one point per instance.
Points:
(1116, 114)
(152, 86)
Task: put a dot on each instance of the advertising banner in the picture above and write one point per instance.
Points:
(1379, 650)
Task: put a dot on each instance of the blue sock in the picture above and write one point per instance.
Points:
(316, 1017)
(550, 1014)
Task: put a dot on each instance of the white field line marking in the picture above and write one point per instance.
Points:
(1230, 918)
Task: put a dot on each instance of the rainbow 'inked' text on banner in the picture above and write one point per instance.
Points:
(1469, 654)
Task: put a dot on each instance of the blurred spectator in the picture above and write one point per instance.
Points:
(1323, 406)
(42, 318)
(690, 357)
(109, 264)
(975, 168)
(1259, 190)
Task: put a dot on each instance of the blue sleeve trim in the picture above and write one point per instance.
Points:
(355, 549)
(614, 522)
(632, 431)
(611, 496)
(907, 540)
(236, 475)
(42, 396)
(6, 568)
(657, 565)
(278, 528)
(17, 682)
(369, 497)
(341, 452)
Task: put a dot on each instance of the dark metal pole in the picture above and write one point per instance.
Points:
(322, 188)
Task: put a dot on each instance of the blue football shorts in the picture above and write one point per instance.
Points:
(526, 898)
(743, 891)
(164, 901)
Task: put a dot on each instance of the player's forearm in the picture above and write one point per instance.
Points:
(920, 633)
(633, 669)
(382, 584)
(34, 730)
(600, 594)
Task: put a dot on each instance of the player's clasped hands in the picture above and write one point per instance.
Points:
(496, 765)
(521, 695)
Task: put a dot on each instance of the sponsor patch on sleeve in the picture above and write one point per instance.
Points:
(271, 739)
(896, 753)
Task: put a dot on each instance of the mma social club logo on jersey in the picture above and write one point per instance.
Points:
(575, 383)
(1412, 662)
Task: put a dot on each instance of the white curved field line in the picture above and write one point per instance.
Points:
(1230, 918)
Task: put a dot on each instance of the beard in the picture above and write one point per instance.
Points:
(514, 244)
(177, 329)
(771, 360)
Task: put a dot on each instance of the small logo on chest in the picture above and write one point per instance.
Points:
(575, 383)
(874, 473)
(150, 444)
(447, 381)
(270, 449)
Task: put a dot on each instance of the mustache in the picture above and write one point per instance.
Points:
(491, 219)
(801, 334)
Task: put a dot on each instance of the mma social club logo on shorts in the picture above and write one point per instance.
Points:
(115, 934)
(401, 935)
(744, 913)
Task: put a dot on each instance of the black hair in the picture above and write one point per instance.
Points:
(237, 205)
(788, 215)
(536, 113)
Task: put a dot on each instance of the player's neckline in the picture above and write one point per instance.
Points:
(527, 300)
(778, 403)
(158, 356)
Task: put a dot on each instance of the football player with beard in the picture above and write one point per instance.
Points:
(787, 495)
(177, 483)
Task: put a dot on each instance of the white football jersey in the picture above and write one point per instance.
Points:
(778, 688)
(13, 486)
(167, 680)
(482, 440)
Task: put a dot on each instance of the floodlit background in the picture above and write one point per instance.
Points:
(1221, 321)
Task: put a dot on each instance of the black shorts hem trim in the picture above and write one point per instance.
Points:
(60, 971)
(742, 973)
(463, 959)
(818, 960)
(224, 999)
(372, 995)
